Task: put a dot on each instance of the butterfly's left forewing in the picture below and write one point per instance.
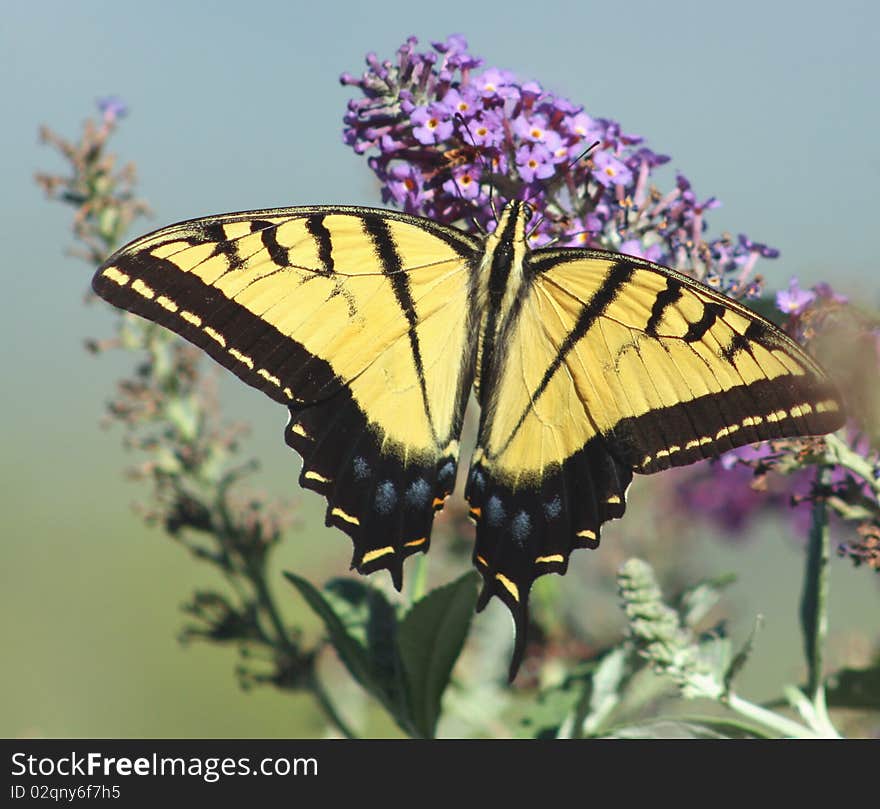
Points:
(358, 320)
(613, 365)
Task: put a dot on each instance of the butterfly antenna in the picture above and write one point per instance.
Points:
(574, 162)
(484, 166)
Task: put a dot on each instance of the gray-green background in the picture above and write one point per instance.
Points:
(771, 106)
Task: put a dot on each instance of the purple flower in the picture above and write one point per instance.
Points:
(454, 43)
(464, 103)
(611, 171)
(495, 83)
(794, 300)
(465, 182)
(583, 127)
(824, 291)
(404, 186)
(432, 124)
(112, 108)
(757, 247)
(487, 130)
(534, 160)
(734, 492)
(634, 247)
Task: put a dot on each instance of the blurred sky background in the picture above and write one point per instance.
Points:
(770, 106)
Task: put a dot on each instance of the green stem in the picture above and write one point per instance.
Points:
(256, 573)
(814, 600)
(839, 452)
(780, 724)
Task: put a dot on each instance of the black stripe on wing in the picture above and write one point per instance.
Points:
(249, 346)
(377, 229)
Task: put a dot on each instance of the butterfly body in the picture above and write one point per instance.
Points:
(373, 327)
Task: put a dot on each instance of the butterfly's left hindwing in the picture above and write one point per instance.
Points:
(358, 320)
(611, 365)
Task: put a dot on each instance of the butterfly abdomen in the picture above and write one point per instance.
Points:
(500, 284)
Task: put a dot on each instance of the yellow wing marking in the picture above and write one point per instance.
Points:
(269, 377)
(338, 512)
(215, 336)
(243, 358)
(546, 560)
(142, 289)
(116, 276)
(508, 585)
(369, 556)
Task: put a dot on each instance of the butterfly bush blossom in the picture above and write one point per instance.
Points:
(453, 143)
(453, 140)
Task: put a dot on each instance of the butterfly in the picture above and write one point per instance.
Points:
(373, 327)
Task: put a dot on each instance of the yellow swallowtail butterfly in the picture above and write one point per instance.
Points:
(372, 327)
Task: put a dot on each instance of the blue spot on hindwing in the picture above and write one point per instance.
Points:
(520, 528)
(553, 508)
(494, 511)
(386, 497)
(418, 493)
(446, 475)
(361, 468)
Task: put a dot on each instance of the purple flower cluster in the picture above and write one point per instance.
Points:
(454, 144)
(737, 489)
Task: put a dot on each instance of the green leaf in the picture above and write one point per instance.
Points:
(371, 620)
(429, 640)
(349, 599)
(352, 653)
(741, 656)
(607, 680)
(550, 713)
(362, 626)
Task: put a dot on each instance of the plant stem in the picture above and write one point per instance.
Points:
(769, 719)
(814, 601)
(839, 452)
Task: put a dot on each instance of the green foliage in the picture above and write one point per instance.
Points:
(429, 640)
(405, 663)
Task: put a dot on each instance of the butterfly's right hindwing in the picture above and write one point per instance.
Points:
(359, 320)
